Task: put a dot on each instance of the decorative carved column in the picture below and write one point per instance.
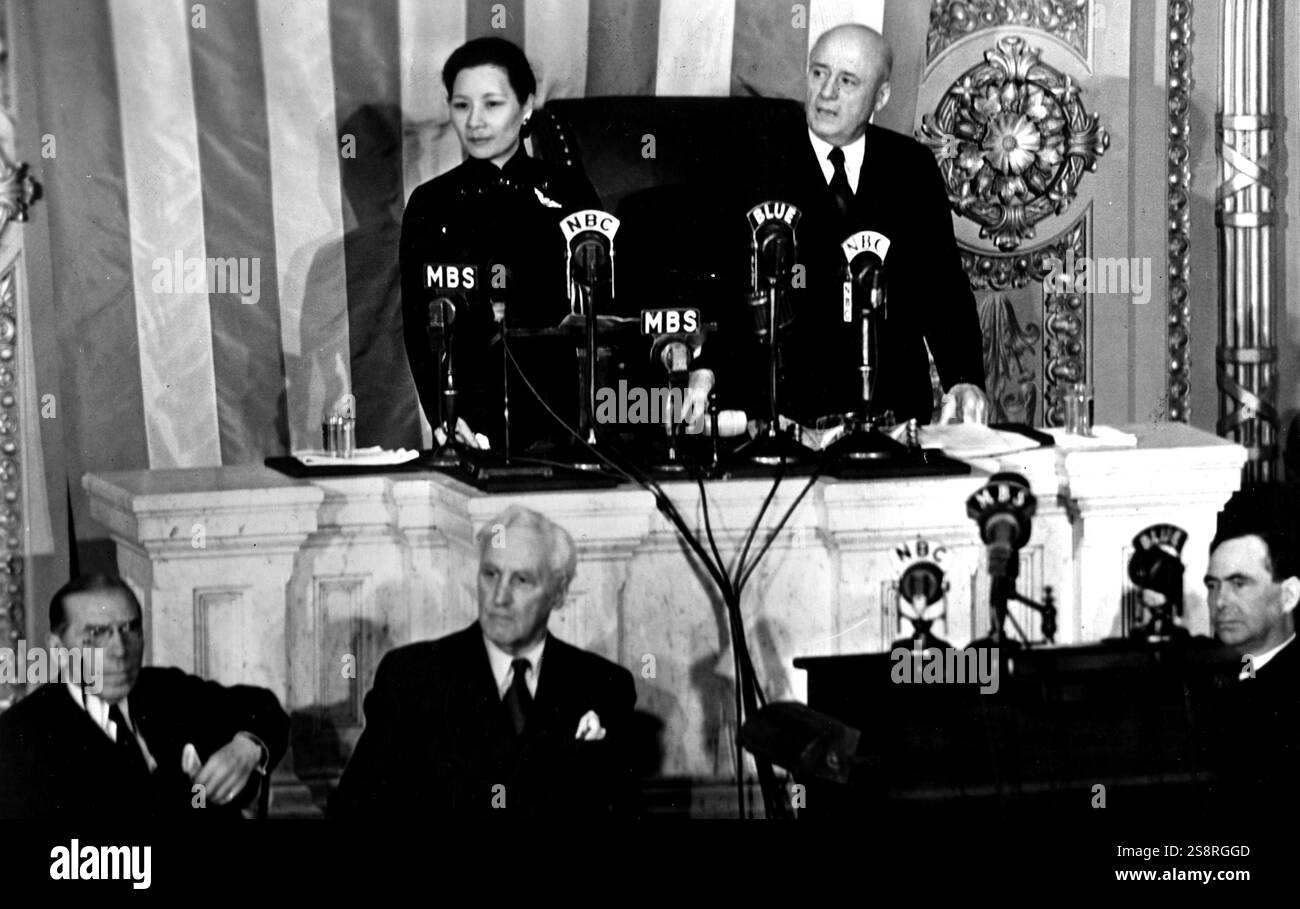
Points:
(17, 191)
(1178, 70)
(1247, 355)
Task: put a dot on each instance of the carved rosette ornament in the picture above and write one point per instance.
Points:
(1012, 139)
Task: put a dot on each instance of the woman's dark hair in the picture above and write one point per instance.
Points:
(492, 52)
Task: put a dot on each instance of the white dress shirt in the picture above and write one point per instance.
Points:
(854, 152)
(504, 673)
(1257, 662)
(97, 709)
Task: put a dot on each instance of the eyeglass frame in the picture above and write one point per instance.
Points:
(99, 635)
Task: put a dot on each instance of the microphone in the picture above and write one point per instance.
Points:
(774, 245)
(773, 254)
(449, 285)
(1156, 565)
(588, 265)
(921, 587)
(589, 236)
(773, 248)
(675, 332)
(442, 314)
(864, 297)
(1003, 510)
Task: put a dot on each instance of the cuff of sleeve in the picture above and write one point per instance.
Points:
(702, 378)
(265, 759)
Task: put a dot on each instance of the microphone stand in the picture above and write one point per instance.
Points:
(451, 451)
(773, 447)
(1002, 591)
(587, 457)
(505, 385)
(673, 465)
(864, 441)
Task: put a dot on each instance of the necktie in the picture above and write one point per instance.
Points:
(841, 194)
(126, 743)
(518, 700)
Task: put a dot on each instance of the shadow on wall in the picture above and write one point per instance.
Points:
(362, 270)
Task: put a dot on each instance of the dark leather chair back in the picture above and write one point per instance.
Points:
(632, 144)
(679, 173)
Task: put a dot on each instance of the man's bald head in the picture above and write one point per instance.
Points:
(848, 81)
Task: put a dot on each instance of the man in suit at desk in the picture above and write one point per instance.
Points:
(134, 742)
(1253, 586)
(501, 718)
(847, 175)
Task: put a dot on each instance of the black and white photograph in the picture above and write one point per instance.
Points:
(711, 428)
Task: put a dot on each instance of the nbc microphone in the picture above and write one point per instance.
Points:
(864, 299)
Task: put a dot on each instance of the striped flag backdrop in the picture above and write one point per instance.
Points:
(281, 138)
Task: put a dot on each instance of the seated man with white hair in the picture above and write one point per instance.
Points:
(502, 718)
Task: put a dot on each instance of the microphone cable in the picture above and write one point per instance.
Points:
(749, 694)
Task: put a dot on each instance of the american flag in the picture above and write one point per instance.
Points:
(194, 138)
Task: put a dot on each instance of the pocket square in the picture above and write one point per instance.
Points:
(589, 728)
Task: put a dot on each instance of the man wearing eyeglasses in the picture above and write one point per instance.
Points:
(121, 741)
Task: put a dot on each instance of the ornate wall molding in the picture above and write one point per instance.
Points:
(11, 519)
(1012, 139)
(1244, 215)
(1066, 331)
(1012, 391)
(1178, 64)
(17, 192)
(950, 22)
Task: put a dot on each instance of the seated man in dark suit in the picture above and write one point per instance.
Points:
(135, 742)
(502, 717)
(1253, 585)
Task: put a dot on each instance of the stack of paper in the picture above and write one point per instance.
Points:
(1102, 437)
(973, 440)
(362, 457)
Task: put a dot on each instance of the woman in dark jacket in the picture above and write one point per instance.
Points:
(500, 212)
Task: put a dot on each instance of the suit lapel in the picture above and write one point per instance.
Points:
(76, 741)
(868, 163)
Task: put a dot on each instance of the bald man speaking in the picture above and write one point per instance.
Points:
(848, 175)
